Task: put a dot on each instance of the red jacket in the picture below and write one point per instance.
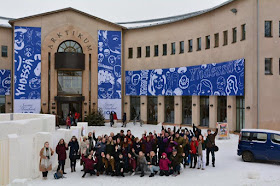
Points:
(132, 162)
(115, 117)
(68, 122)
(163, 164)
(89, 163)
(61, 151)
(194, 145)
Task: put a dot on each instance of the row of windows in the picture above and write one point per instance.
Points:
(268, 66)
(4, 51)
(190, 44)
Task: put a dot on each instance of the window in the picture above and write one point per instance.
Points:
(182, 47)
(262, 137)
(4, 51)
(240, 113)
(222, 109)
(190, 45)
(138, 52)
(216, 40)
(243, 35)
(275, 138)
(70, 46)
(225, 37)
(268, 66)
(268, 28)
(245, 136)
(187, 109)
(199, 44)
(152, 111)
(135, 107)
(164, 49)
(173, 49)
(234, 35)
(207, 42)
(204, 110)
(2, 104)
(156, 50)
(169, 109)
(130, 53)
(70, 82)
(147, 51)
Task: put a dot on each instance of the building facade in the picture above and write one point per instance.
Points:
(247, 30)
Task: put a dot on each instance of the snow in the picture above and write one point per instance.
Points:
(4, 22)
(261, 130)
(229, 170)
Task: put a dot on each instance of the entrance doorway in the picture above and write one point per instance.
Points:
(67, 108)
(152, 109)
(204, 111)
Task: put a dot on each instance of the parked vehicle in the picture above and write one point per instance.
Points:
(259, 144)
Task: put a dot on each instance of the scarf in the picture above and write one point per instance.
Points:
(46, 162)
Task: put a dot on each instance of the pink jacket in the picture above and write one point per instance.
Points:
(163, 164)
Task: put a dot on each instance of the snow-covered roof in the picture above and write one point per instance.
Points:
(261, 130)
(166, 20)
(4, 22)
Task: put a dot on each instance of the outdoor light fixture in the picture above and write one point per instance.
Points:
(125, 103)
(53, 103)
(85, 103)
(194, 104)
(93, 103)
(234, 10)
(9, 103)
(143, 103)
(248, 107)
(177, 104)
(229, 106)
(44, 103)
(53, 107)
(85, 112)
(159, 103)
(211, 105)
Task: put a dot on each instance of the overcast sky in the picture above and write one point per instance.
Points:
(111, 10)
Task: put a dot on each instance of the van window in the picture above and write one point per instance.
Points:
(262, 137)
(245, 136)
(275, 138)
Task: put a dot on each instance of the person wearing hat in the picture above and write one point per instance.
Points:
(176, 159)
(164, 163)
(83, 146)
(210, 145)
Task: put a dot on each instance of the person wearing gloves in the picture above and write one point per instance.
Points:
(45, 163)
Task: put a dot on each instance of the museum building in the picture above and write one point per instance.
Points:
(219, 65)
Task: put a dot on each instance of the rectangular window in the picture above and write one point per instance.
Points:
(243, 29)
(156, 50)
(130, 53)
(245, 136)
(182, 47)
(222, 109)
(4, 50)
(234, 35)
(164, 49)
(190, 45)
(69, 82)
(225, 37)
(2, 104)
(207, 42)
(147, 51)
(173, 49)
(260, 137)
(268, 66)
(268, 28)
(138, 52)
(275, 138)
(216, 40)
(199, 44)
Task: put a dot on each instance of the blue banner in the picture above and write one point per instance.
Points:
(220, 79)
(5, 80)
(109, 72)
(27, 69)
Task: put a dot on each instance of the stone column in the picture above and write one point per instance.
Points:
(213, 103)
(161, 111)
(178, 109)
(196, 110)
(231, 113)
(53, 84)
(127, 107)
(85, 87)
(144, 108)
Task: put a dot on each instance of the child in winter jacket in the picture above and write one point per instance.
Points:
(164, 165)
(193, 152)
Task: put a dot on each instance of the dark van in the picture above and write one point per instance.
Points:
(259, 144)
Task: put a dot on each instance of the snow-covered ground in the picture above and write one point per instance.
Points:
(229, 170)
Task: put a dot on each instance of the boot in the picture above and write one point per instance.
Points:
(152, 175)
(83, 175)
(72, 169)
(97, 173)
(156, 172)
(207, 163)
(213, 164)
(178, 172)
(161, 173)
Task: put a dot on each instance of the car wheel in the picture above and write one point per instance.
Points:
(247, 156)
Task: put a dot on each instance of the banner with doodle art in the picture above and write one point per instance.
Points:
(27, 70)
(220, 79)
(5, 80)
(109, 72)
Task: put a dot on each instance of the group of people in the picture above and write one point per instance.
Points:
(122, 153)
(72, 119)
(114, 119)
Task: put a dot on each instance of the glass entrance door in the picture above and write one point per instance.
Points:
(152, 110)
(204, 111)
(67, 108)
(240, 113)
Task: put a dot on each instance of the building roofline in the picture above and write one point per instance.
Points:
(12, 21)
(172, 19)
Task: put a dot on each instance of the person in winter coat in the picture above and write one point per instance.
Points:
(131, 164)
(100, 146)
(141, 162)
(196, 131)
(45, 164)
(169, 144)
(164, 165)
(115, 118)
(201, 147)
(111, 118)
(193, 152)
(176, 159)
(187, 148)
(120, 166)
(68, 122)
(90, 141)
(110, 146)
(137, 145)
(83, 146)
(148, 145)
(210, 145)
(89, 165)
(124, 120)
(161, 144)
(109, 163)
(74, 153)
(61, 152)
(153, 163)
(181, 143)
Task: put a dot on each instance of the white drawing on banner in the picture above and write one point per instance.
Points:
(114, 44)
(28, 51)
(157, 82)
(239, 65)
(169, 92)
(182, 70)
(135, 79)
(205, 87)
(231, 85)
(175, 77)
(34, 95)
(132, 90)
(184, 82)
(221, 82)
(219, 93)
(204, 66)
(241, 79)
(19, 61)
(172, 69)
(19, 38)
(144, 82)
(35, 83)
(2, 72)
(29, 34)
(178, 92)
(37, 70)
(117, 70)
(127, 79)
(130, 73)
(100, 46)
(2, 91)
(106, 82)
(107, 52)
(112, 60)
(6, 82)
(100, 57)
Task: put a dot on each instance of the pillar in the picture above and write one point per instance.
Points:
(178, 109)
(196, 110)
(144, 108)
(53, 84)
(161, 109)
(213, 103)
(231, 113)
